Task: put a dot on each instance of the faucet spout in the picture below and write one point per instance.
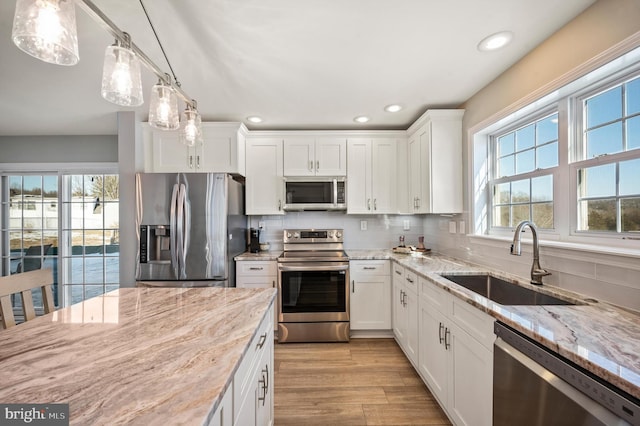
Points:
(537, 272)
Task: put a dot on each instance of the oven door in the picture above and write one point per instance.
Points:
(313, 291)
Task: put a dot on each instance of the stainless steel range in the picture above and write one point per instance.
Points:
(313, 287)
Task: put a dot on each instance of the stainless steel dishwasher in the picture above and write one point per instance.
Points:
(534, 386)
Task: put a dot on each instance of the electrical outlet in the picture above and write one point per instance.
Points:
(461, 227)
(452, 226)
(261, 225)
(363, 225)
(406, 225)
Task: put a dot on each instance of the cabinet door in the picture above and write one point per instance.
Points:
(470, 386)
(299, 157)
(331, 157)
(411, 308)
(424, 194)
(415, 183)
(223, 416)
(433, 358)
(264, 180)
(264, 401)
(446, 164)
(169, 154)
(218, 152)
(384, 175)
(370, 302)
(359, 176)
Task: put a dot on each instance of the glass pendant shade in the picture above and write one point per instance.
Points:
(191, 132)
(46, 29)
(121, 80)
(163, 108)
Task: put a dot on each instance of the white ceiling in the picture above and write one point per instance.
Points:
(313, 64)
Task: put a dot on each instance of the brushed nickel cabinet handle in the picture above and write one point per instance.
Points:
(255, 268)
(263, 339)
(191, 161)
(197, 161)
(440, 328)
(369, 268)
(310, 166)
(447, 333)
(353, 286)
(375, 204)
(317, 165)
(398, 272)
(368, 203)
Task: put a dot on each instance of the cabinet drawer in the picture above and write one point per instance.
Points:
(398, 271)
(243, 378)
(411, 280)
(434, 296)
(377, 267)
(475, 322)
(256, 268)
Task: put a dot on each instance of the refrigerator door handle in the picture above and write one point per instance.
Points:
(173, 230)
(183, 229)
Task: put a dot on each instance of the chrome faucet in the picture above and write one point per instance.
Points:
(537, 272)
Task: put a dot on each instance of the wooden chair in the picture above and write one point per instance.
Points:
(23, 283)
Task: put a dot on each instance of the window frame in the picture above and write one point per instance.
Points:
(563, 95)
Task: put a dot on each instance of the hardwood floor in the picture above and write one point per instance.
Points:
(363, 382)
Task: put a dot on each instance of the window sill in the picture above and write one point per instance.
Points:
(632, 252)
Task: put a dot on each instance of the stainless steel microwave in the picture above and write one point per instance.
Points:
(315, 193)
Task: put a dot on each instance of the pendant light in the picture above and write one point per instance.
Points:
(121, 80)
(191, 132)
(163, 106)
(46, 29)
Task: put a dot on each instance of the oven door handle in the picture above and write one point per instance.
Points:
(289, 268)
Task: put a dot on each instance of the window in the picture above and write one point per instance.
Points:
(30, 231)
(608, 175)
(73, 219)
(522, 186)
(569, 162)
(90, 230)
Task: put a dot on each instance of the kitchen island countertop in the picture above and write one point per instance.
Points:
(134, 355)
(602, 338)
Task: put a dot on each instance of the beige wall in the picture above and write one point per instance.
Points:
(579, 47)
(601, 26)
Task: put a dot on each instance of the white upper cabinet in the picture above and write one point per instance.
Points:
(371, 175)
(435, 162)
(309, 156)
(264, 185)
(222, 150)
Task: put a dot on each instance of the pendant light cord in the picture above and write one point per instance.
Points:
(175, 78)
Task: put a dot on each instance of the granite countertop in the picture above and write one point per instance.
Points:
(598, 336)
(134, 355)
(262, 255)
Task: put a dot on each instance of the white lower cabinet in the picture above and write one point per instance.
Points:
(405, 311)
(456, 365)
(258, 274)
(370, 304)
(253, 380)
(223, 416)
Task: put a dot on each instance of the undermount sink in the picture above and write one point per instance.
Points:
(504, 292)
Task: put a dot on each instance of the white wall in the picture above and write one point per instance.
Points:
(607, 28)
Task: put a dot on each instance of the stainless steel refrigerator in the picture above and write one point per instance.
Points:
(190, 227)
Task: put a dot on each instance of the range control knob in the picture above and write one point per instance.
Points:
(288, 234)
(338, 234)
(296, 235)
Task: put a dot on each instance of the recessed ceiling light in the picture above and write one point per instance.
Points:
(393, 108)
(495, 41)
(255, 119)
(361, 119)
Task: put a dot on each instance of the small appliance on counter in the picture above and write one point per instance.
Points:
(254, 240)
